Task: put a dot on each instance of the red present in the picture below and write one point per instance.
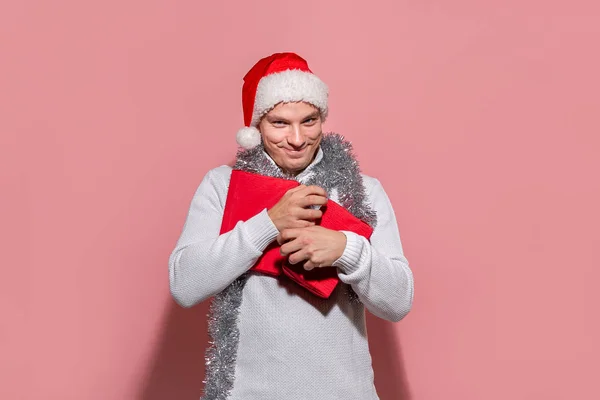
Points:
(250, 193)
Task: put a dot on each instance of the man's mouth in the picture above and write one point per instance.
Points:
(296, 151)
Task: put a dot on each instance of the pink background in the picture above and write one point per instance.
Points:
(480, 118)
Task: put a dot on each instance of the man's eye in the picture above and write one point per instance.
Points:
(278, 123)
(310, 120)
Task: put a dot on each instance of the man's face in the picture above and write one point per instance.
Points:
(291, 134)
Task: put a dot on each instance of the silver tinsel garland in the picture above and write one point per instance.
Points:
(338, 170)
(222, 328)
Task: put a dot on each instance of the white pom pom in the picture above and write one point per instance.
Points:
(248, 137)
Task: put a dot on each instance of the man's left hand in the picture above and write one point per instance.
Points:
(318, 246)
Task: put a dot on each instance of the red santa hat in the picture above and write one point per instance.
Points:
(281, 77)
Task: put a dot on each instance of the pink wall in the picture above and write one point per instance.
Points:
(482, 122)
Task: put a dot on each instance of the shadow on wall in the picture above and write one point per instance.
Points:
(177, 369)
(388, 362)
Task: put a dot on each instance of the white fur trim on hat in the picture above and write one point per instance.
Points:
(248, 137)
(289, 86)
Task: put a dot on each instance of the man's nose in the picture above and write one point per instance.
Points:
(296, 137)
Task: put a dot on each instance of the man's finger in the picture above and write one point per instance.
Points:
(309, 214)
(312, 189)
(289, 234)
(297, 188)
(309, 265)
(298, 256)
(290, 247)
(302, 223)
(313, 199)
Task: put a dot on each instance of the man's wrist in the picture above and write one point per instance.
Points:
(261, 230)
(349, 260)
(342, 244)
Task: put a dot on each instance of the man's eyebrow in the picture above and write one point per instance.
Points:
(275, 117)
(313, 115)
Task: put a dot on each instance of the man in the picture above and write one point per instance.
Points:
(271, 337)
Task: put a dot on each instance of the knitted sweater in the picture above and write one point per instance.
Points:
(292, 344)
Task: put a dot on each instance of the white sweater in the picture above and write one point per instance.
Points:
(292, 344)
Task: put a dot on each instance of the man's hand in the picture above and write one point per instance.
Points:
(292, 210)
(318, 246)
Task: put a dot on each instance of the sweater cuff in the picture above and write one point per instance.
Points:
(261, 230)
(349, 261)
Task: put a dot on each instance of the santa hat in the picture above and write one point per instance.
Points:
(281, 77)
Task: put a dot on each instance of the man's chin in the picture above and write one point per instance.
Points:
(295, 167)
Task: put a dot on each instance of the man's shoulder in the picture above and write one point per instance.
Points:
(218, 176)
(369, 182)
(220, 171)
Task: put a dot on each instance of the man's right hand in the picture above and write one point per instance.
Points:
(293, 210)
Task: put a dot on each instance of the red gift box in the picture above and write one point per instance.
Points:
(250, 193)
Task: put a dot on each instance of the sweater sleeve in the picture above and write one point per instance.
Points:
(377, 270)
(204, 262)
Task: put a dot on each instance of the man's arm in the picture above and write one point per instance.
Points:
(378, 271)
(204, 262)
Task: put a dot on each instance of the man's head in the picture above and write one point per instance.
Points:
(284, 106)
(291, 134)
